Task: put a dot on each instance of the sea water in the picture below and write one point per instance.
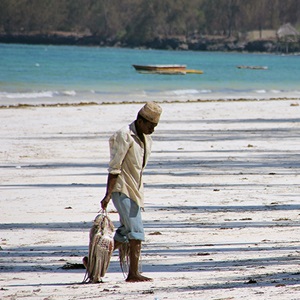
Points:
(36, 74)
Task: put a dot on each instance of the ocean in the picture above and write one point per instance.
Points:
(40, 74)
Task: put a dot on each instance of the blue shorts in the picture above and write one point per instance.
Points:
(131, 224)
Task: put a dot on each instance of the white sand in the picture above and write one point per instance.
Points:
(222, 201)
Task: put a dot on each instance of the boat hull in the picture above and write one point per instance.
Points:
(165, 69)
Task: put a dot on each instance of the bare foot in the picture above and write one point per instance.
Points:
(137, 278)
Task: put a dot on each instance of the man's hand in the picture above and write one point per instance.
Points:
(105, 202)
(111, 181)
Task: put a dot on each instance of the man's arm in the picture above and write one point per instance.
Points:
(111, 181)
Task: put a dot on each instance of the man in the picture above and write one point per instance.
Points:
(130, 148)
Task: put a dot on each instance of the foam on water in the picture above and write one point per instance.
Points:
(182, 92)
(33, 95)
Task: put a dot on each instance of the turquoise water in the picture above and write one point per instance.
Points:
(41, 74)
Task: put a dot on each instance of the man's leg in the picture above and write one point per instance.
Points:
(134, 275)
(131, 232)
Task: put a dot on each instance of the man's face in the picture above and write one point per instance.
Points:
(147, 127)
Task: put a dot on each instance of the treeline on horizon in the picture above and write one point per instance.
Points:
(139, 21)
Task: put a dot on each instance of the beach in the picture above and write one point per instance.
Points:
(221, 201)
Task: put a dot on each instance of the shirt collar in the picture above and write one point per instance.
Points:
(133, 128)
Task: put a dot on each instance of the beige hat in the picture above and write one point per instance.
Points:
(151, 111)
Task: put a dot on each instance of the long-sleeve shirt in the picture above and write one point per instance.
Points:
(128, 158)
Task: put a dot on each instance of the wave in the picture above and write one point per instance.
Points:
(35, 95)
(231, 92)
(72, 96)
(27, 95)
(69, 93)
(188, 92)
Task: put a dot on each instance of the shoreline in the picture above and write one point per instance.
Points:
(204, 44)
(94, 103)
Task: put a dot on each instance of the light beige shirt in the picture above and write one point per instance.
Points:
(127, 155)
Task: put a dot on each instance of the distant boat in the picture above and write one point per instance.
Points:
(253, 67)
(165, 69)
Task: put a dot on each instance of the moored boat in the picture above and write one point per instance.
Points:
(165, 69)
(194, 72)
(161, 69)
(253, 67)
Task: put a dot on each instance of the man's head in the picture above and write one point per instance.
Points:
(148, 117)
